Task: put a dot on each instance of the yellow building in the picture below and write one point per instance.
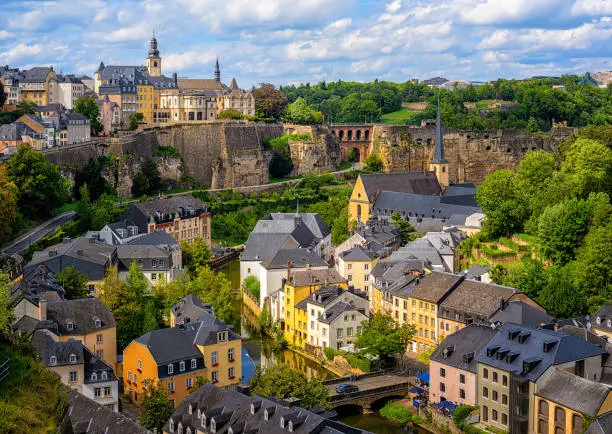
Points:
(355, 265)
(602, 322)
(439, 165)
(146, 96)
(566, 403)
(300, 285)
(39, 85)
(177, 356)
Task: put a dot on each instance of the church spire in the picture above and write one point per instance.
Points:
(153, 51)
(439, 152)
(217, 71)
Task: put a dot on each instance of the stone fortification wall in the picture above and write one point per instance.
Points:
(74, 157)
(472, 155)
(320, 154)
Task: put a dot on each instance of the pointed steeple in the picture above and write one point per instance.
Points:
(234, 85)
(101, 67)
(217, 71)
(153, 51)
(439, 153)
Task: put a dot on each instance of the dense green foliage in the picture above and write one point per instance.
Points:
(300, 112)
(8, 204)
(87, 106)
(407, 231)
(156, 406)
(374, 163)
(195, 254)
(398, 413)
(383, 337)
(166, 151)
(357, 362)
(5, 298)
(135, 119)
(270, 103)
(40, 186)
(283, 382)
(73, 282)
(252, 286)
(531, 104)
(281, 164)
(231, 114)
(24, 107)
(92, 175)
(563, 203)
(148, 180)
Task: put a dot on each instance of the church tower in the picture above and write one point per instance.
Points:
(153, 60)
(217, 71)
(439, 165)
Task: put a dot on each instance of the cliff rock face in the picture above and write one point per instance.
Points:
(120, 174)
(472, 155)
(319, 154)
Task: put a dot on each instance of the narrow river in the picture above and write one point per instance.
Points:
(256, 351)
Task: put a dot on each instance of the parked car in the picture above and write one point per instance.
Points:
(346, 388)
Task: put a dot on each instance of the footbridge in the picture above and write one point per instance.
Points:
(374, 388)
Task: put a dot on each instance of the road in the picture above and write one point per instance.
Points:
(22, 243)
(373, 382)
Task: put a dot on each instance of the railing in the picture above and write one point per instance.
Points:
(4, 366)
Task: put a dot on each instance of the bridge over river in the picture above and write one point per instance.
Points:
(373, 387)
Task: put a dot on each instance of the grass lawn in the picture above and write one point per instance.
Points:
(400, 117)
(344, 166)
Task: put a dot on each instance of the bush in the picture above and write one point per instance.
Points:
(494, 252)
(354, 360)
(251, 284)
(166, 151)
(397, 413)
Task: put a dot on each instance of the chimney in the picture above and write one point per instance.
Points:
(288, 270)
(42, 310)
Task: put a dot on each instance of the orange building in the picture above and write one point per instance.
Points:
(176, 357)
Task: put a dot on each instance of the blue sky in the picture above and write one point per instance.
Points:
(293, 41)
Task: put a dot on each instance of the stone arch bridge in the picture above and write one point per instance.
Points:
(353, 136)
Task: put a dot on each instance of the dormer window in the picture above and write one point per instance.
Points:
(94, 377)
(190, 409)
(170, 369)
(213, 425)
(70, 325)
(282, 422)
(104, 375)
(188, 431)
(182, 366)
(290, 426)
(598, 320)
(171, 425)
(73, 358)
(98, 323)
(609, 323)
(53, 360)
(180, 428)
(194, 363)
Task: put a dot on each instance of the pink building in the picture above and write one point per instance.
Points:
(453, 366)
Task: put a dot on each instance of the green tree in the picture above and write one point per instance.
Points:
(195, 254)
(148, 180)
(252, 285)
(502, 200)
(93, 175)
(135, 119)
(300, 112)
(594, 263)
(529, 276)
(230, 114)
(560, 297)
(151, 317)
(590, 162)
(3, 96)
(87, 106)
(283, 382)
(534, 170)
(156, 406)
(532, 125)
(41, 187)
(374, 163)
(340, 230)
(73, 282)
(8, 203)
(407, 231)
(6, 313)
(269, 101)
(382, 336)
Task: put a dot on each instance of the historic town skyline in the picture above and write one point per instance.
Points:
(299, 41)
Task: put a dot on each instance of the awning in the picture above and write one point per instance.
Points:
(416, 390)
(446, 405)
(423, 377)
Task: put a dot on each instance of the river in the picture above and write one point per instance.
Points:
(256, 351)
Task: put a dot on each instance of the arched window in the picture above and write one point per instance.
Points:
(543, 408)
(560, 418)
(358, 135)
(104, 375)
(94, 377)
(350, 135)
(358, 212)
(367, 135)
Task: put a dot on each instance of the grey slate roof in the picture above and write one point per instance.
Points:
(299, 258)
(337, 310)
(357, 253)
(248, 415)
(435, 286)
(571, 391)
(406, 182)
(324, 296)
(97, 366)
(28, 325)
(46, 348)
(315, 277)
(601, 425)
(155, 238)
(174, 344)
(164, 209)
(38, 284)
(461, 348)
(86, 416)
(145, 254)
(191, 309)
(82, 313)
(527, 344)
(313, 221)
(261, 246)
(519, 312)
(36, 75)
(604, 314)
(419, 205)
(477, 271)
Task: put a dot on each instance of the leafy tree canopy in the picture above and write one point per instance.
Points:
(6, 313)
(382, 336)
(156, 406)
(269, 101)
(87, 106)
(195, 254)
(73, 282)
(230, 114)
(8, 203)
(407, 231)
(374, 163)
(300, 112)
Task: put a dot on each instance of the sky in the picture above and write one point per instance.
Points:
(306, 41)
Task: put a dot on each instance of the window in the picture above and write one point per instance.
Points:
(462, 393)
(349, 331)
(485, 413)
(135, 379)
(366, 278)
(230, 372)
(230, 354)
(170, 369)
(442, 387)
(350, 277)
(215, 376)
(345, 317)
(494, 414)
(98, 323)
(494, 395)
(559, 417)
(324, 330)
(73, 358)
(485, 373)
(339, 333)
(420, 305)
(53, 360)
(140, 365)
(70, 326)
(104, 375)
(442, 372)
(153, 276)
(214, 358)
(312, 325)
(504, 419)
(504, 398)
(349, 266)
(171, 386)
(182, 366)
(577, 423)
(405, 304)
(129, 376)
(99, 339)
(485, 392)
(98, 392)
(73, 376)
(358, 329)
(495, 377)
(462, 378)
(504, 380)
(353, 317)
(188, 382)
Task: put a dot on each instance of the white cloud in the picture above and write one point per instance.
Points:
(509, 11)
(182, 61)
(364, 66)
(4, 34)
(394, 6)
(140, 32)
(592, 7)
(19, 53)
